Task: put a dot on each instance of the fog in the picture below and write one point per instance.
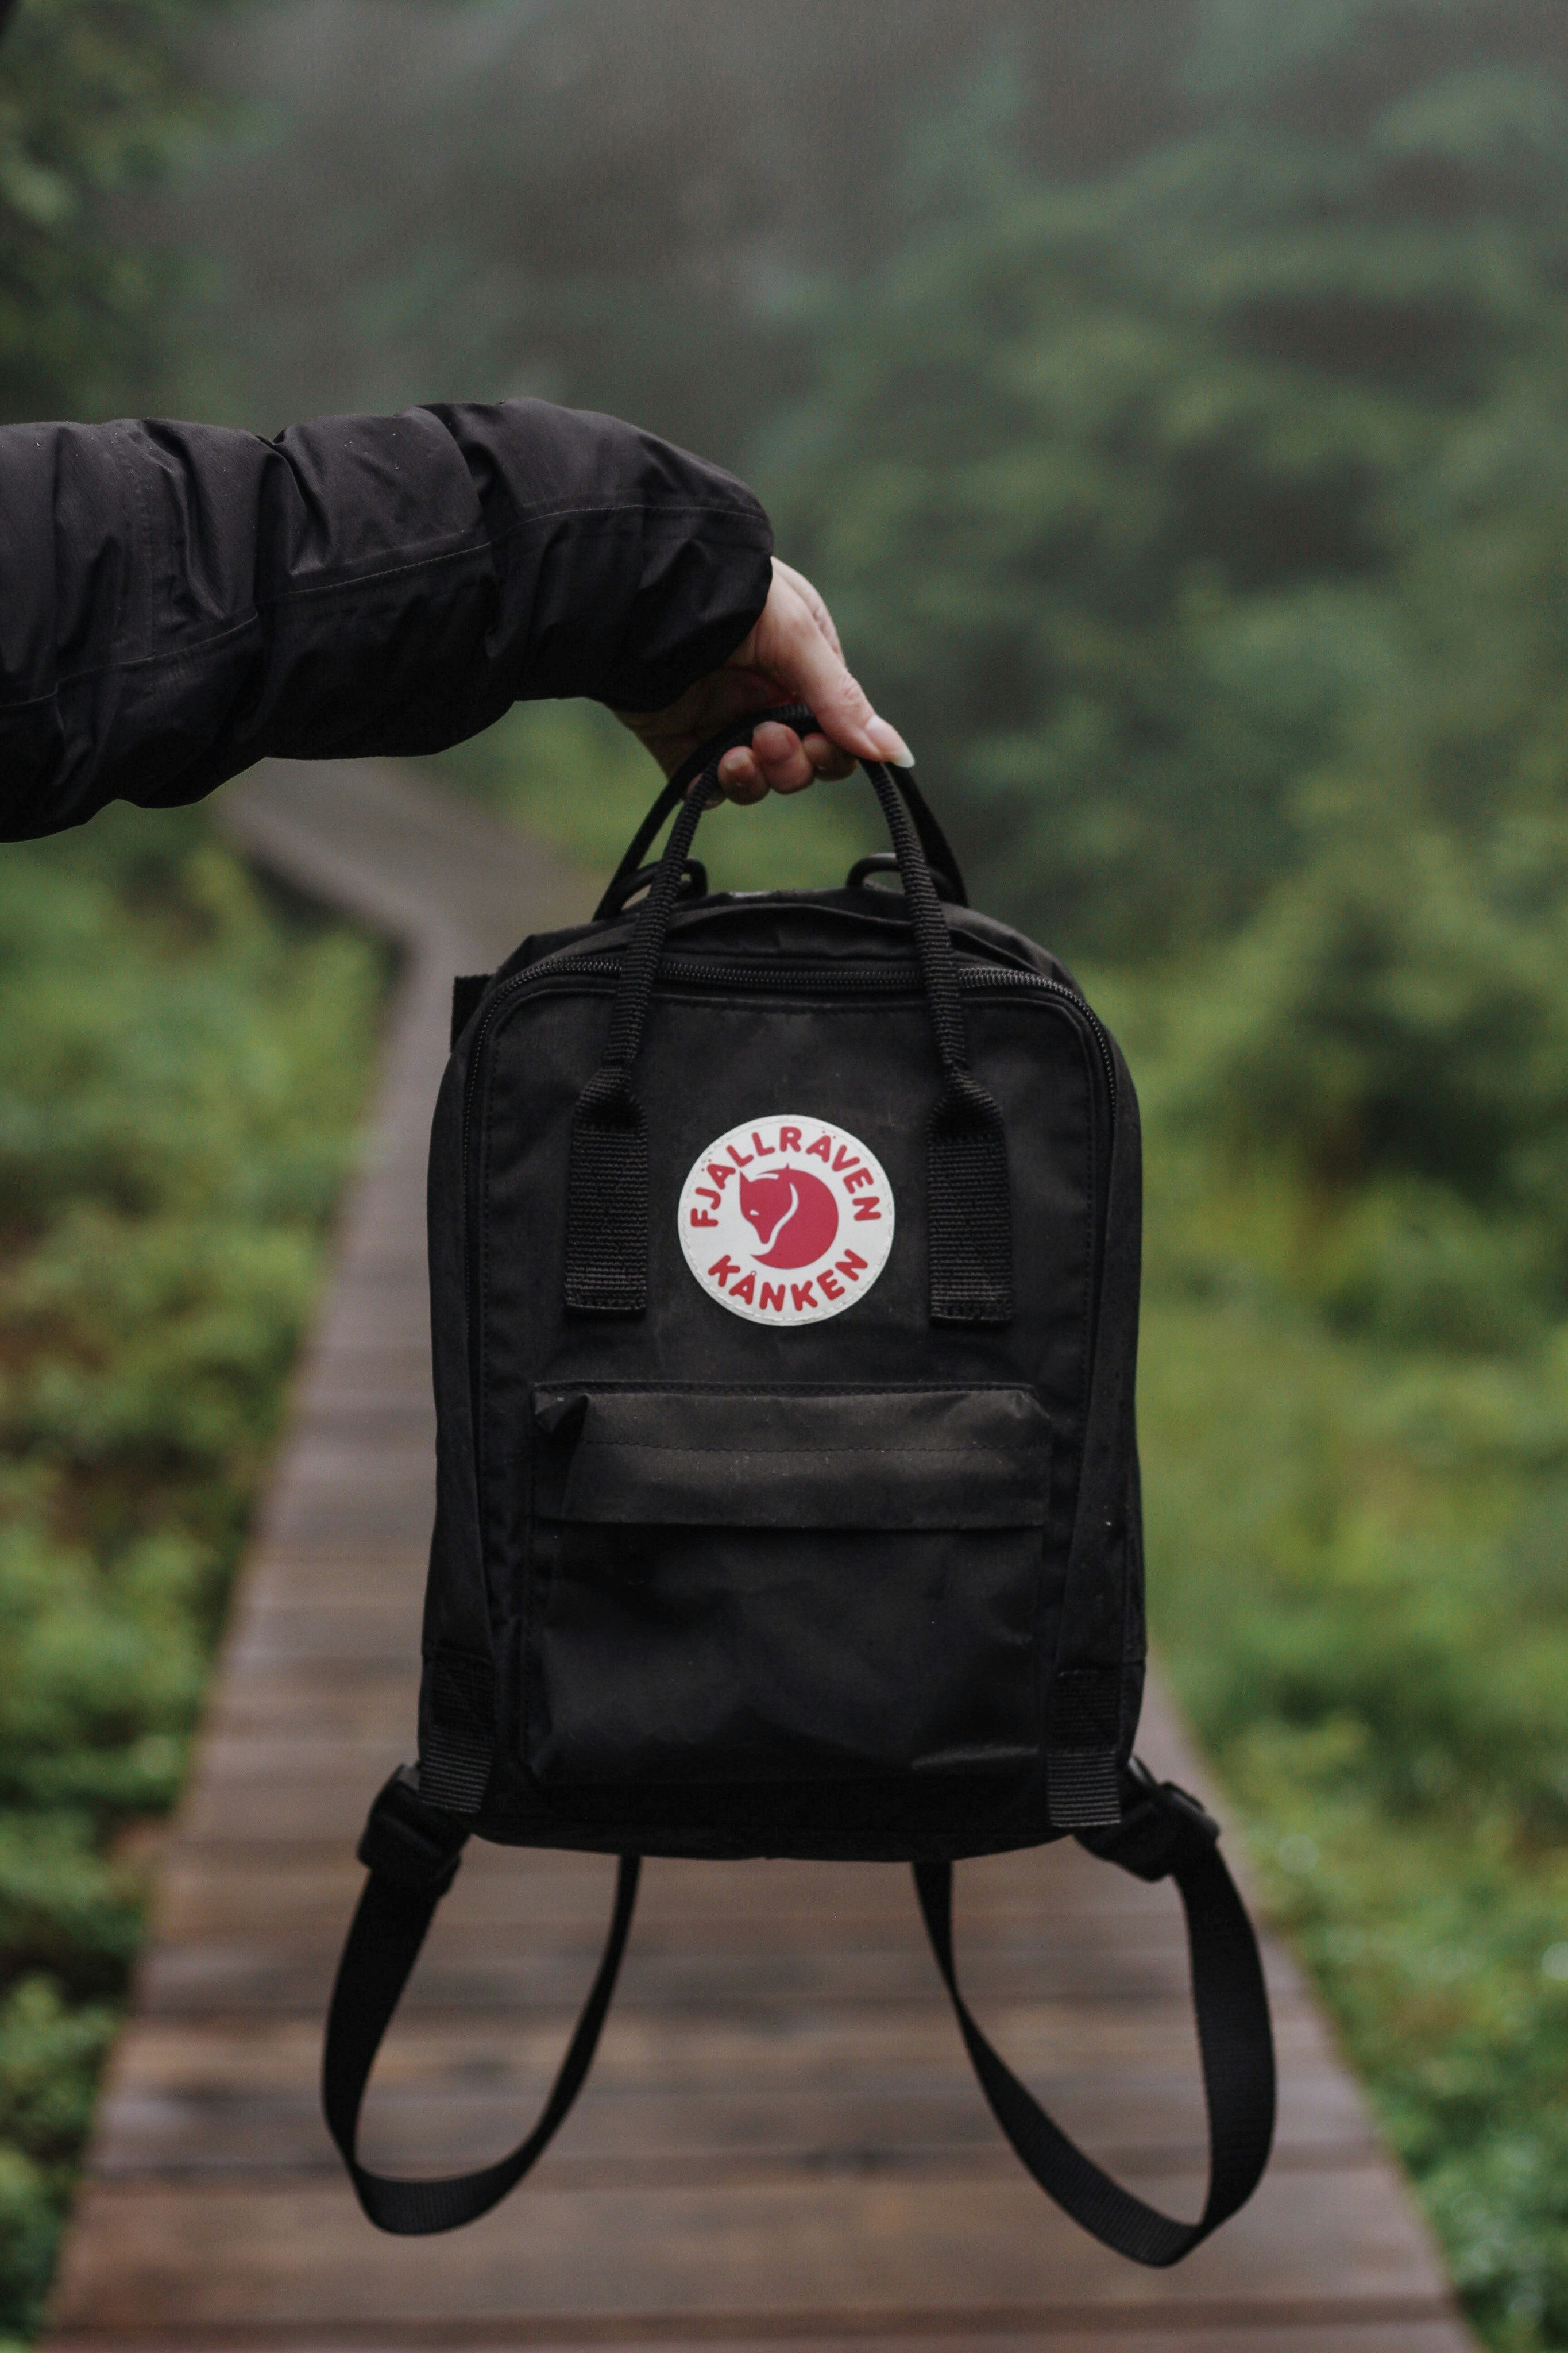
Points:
(618, 203)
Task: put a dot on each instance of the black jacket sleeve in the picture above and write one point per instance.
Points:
(177, 601)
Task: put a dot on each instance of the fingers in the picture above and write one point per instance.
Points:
(843, 707)
(740, 778)
(791, 655)
(777, 761)
(799, 652)
(827, 758)
(780, 761)
(814, 600)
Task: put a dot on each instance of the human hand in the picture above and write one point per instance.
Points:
(793, 655)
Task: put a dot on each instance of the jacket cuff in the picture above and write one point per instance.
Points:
(626, 568)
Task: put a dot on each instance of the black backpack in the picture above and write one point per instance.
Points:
(783, 1265)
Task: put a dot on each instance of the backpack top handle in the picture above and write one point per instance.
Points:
(969, 1207)
(933, 842)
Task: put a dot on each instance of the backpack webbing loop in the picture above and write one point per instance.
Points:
(1083, 1778)
(413, 1850)
(1164, 1833)
(607, 1199)
(459, 1747)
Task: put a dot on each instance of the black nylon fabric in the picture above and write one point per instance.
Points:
(590, 1075)
(177, 601)
(915, 1456)
(816, 1583)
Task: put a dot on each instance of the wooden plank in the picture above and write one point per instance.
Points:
(288, 1975)
(448, 2095)
(1078, 2332)
(202, 2255)
(505, 2053)
(511, 1889)
(366, 1693)
(378, 1629)
(512, 1922)
(651, 2052)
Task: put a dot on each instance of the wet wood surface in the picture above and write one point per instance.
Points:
(781, 2145)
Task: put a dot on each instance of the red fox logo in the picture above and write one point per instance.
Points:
(793, 1214)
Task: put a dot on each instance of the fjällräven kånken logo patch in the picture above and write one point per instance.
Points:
(786, 1220)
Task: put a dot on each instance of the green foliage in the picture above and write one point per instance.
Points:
(180, 1070)
(1359, 1584)
(180, 1065)
(97, 99)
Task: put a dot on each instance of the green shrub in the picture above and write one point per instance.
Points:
(182, 1064)
(1359, 1579)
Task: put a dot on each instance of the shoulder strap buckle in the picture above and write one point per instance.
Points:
(1162, 1826)
(413, 1844)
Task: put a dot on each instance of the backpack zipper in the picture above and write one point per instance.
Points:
(705, 972)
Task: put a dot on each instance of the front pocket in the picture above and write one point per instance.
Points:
(768, 1585)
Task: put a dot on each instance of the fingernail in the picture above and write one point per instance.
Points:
(893, 746)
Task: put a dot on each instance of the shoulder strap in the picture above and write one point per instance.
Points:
(1162, 1833)
(413, 1851)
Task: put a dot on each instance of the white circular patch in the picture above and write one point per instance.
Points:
(786, 1220)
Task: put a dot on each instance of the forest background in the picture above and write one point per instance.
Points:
(1172, 398)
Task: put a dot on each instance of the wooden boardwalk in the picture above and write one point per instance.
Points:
(782, 2145)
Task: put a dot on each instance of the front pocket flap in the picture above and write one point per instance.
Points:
(853, 1457)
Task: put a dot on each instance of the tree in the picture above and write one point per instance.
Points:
(1151, 498)
(97, 98)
